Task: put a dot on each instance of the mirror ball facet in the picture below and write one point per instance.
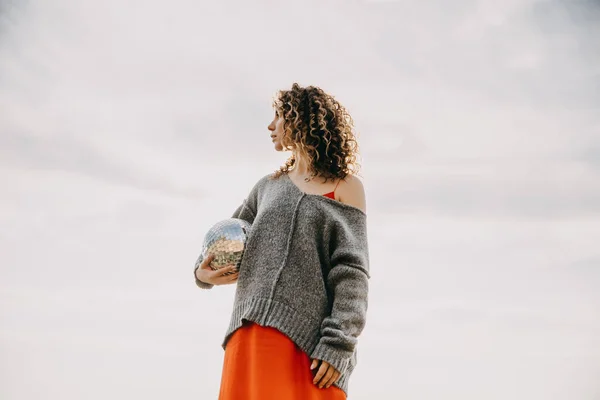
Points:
(226, 240)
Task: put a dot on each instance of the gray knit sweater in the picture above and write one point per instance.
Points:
(305, 271)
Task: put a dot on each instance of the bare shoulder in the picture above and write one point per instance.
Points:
(352, 192)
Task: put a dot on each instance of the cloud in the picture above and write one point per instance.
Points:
(128, 128)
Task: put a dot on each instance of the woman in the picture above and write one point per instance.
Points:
(301, 296)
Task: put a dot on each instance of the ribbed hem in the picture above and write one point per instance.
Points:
(342, 382)
(203, 285)
(302, 330)
(332, 356)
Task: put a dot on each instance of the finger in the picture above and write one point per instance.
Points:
(226, 275)
(321, 372)
(228, 269)
(226, 279)
(314, 364)
(219, 271)
(327, 377)
(333, 379)
(233, 278)
(206, 262)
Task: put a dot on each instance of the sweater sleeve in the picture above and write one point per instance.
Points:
(347, 280)
(246, 211)
(249, 206)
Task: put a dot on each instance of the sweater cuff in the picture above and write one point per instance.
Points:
(338, 359)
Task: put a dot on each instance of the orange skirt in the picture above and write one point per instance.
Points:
(261, 363)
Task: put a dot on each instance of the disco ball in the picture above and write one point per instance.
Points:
(226, 240)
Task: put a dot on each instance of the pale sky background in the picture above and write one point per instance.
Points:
(128, 128)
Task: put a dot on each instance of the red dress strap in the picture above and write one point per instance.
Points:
(336, 185)
(331, 195)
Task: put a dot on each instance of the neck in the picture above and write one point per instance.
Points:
(301, 165)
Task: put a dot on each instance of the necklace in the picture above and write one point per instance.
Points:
(309, 178)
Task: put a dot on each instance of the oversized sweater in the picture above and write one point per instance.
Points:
(304, 271)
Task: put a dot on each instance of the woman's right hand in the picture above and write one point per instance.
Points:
(206, 274)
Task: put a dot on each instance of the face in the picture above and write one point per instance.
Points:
(276, 128)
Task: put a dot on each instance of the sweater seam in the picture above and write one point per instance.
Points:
(287, 252)
(246, 206)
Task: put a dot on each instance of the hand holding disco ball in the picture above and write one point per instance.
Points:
(224, 276)
(222, 251)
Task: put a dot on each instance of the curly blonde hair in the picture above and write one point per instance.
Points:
(318, 127)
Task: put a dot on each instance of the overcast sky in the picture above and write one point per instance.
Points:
(128, 128)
